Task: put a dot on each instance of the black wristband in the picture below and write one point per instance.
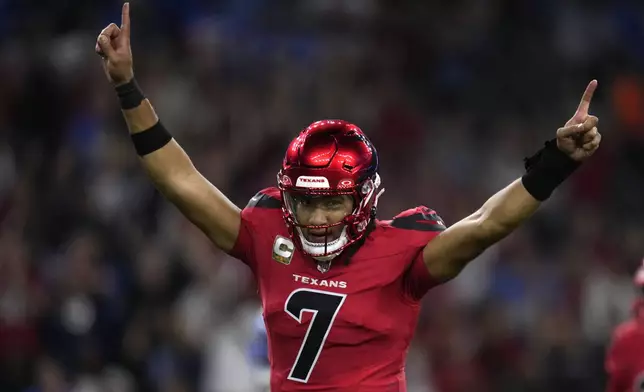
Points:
(129, 95)
(546, 170)
(151, 139)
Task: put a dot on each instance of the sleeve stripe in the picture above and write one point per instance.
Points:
(420, 222)
(263, 200)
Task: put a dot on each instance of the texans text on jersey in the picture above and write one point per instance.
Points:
(320, 282)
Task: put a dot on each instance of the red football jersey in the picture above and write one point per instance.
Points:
(625, 357)
(346, 329)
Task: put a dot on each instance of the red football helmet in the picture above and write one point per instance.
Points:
(328, 158)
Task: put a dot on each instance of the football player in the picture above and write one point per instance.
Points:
(625, 358)
(340, 289)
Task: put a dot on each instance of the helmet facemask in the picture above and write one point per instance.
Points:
(351, 227)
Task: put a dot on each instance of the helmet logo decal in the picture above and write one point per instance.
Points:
(346, 183)
(312, 182)
(286, 180)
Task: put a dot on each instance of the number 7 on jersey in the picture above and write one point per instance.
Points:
(324, 306)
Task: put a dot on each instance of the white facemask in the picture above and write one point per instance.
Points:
(316, 250)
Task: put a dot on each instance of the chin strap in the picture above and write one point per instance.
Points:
(375, 203)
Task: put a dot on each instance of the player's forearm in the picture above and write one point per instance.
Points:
(447, 255)
(169, 167)
(166, 164)
(140, 118)
(173, 173)
(503, 213)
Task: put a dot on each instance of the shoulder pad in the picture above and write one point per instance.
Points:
(420, 218)
(266, 198)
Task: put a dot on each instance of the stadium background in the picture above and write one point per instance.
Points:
(105, 287)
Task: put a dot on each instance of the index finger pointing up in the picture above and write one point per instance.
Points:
(584, 105)
(125, 21)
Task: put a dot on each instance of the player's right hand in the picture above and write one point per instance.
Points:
(113, 45)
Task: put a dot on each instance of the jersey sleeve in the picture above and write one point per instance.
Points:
(421, 225)
(253, 218)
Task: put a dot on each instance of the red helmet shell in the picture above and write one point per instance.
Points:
(334, 150)
(332, 157)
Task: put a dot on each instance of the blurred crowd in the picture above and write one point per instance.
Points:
(105, 287)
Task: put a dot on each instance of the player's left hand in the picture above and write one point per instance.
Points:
(579, 137)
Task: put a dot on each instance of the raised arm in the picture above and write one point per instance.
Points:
(447, 254)
(166, 163)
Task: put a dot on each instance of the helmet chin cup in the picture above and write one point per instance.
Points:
(317, 250)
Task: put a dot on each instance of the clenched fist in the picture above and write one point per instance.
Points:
(579, 137)
(113, 45)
